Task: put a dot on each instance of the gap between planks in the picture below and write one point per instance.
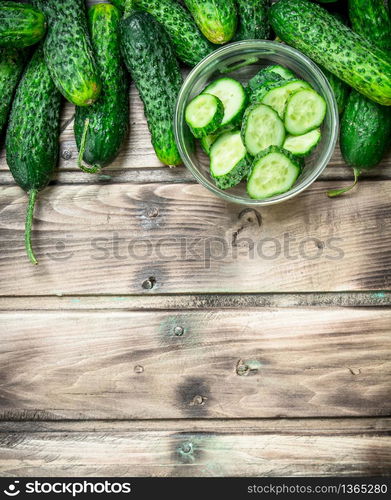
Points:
(194, 302)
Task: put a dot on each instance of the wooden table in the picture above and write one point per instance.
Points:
(150, 341)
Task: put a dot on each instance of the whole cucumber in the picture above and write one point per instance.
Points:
(340, 89)
(151, 61)
(11, 67)
(189, 43)
(371, 19)
(21, 25)
(216, 19)
(311, 29)
(120, 4)
(68, 51)
(104, 125)
(253, 19)
(32, 139)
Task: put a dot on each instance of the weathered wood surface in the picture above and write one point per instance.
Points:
(189, 241)
(189, 364)
(266, 448)
(137, 161)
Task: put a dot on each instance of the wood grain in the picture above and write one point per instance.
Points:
(189, 241)
(193, 364)
(355, 448)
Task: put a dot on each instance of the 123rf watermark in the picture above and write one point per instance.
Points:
(203, 249)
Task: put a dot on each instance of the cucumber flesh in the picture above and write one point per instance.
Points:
(302, 145)
(228, 160)
(278, 96)
(273, 172)
(285, 73)
(305, 111)
(204, 114)
(233, 96)
(262, 128)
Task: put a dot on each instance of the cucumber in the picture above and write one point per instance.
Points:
(311, 29)
(204, 115)
(229, 162)
(276, 95)
(189, 43)
(371, 19)
(32, 139)
(208, 141)
(68, 51)
(305, 111)
(11, 67)
(105, 123)
(21, 25)
(270, 74)
(273, 172)
(302, 145)
(149, 56)
(216, 19)
(233, 96)
(261, 128)
(120, 4)
(253, 20)
(340, 89)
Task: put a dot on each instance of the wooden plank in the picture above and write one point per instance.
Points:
(188, 241)
(338, 448)
(192, 364)
(194, 302)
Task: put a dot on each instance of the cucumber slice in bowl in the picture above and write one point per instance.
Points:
(233, 96)
(273, 172)
(302, 145)
(229, 161)
(277, 95)
(305, 111)
(204, 114)
(262, 128)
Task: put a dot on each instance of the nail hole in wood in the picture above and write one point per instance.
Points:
(138, 369)
(149, 283)
(198, 401)
(66, 154)
(153, 212)
(179, 331)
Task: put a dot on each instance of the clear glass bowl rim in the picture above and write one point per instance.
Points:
(256, 45)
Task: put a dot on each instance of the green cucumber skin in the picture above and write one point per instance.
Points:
(370, 19)
(68, 51)
(120, 4)
(109, 116)
(311, 29)
(149, 57)
(235, 176)
(12, 62)
(21, 25)
(365, 132)
(216, 19)
(189, 43)
(32, 140)
(253, 20)
(341, 89)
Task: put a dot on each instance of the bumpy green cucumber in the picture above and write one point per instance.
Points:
(253, 20)
(32, 135)
(68, 51)
(340, 89)
(216, 19)
(149, 56)
(371, 19)
(189, 43)
(105, 123)
(120, 4)
(311, 29)
(11, 67)
(21, 25)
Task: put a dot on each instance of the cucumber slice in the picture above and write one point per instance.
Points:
(269, 74)
(262, 128)
(305, 111)
(229, 162)
(277, 95)
(204, 114)
(285, 73)
(208, 141)
(273, 172)
(302, 145)
(233, 96)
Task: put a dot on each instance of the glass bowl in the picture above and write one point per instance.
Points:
(242, 60)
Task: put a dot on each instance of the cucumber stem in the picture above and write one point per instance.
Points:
(29, 222)
(89, 170)
(336, 192)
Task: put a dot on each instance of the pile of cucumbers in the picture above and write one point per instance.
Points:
(51, 49)
(260, 132)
